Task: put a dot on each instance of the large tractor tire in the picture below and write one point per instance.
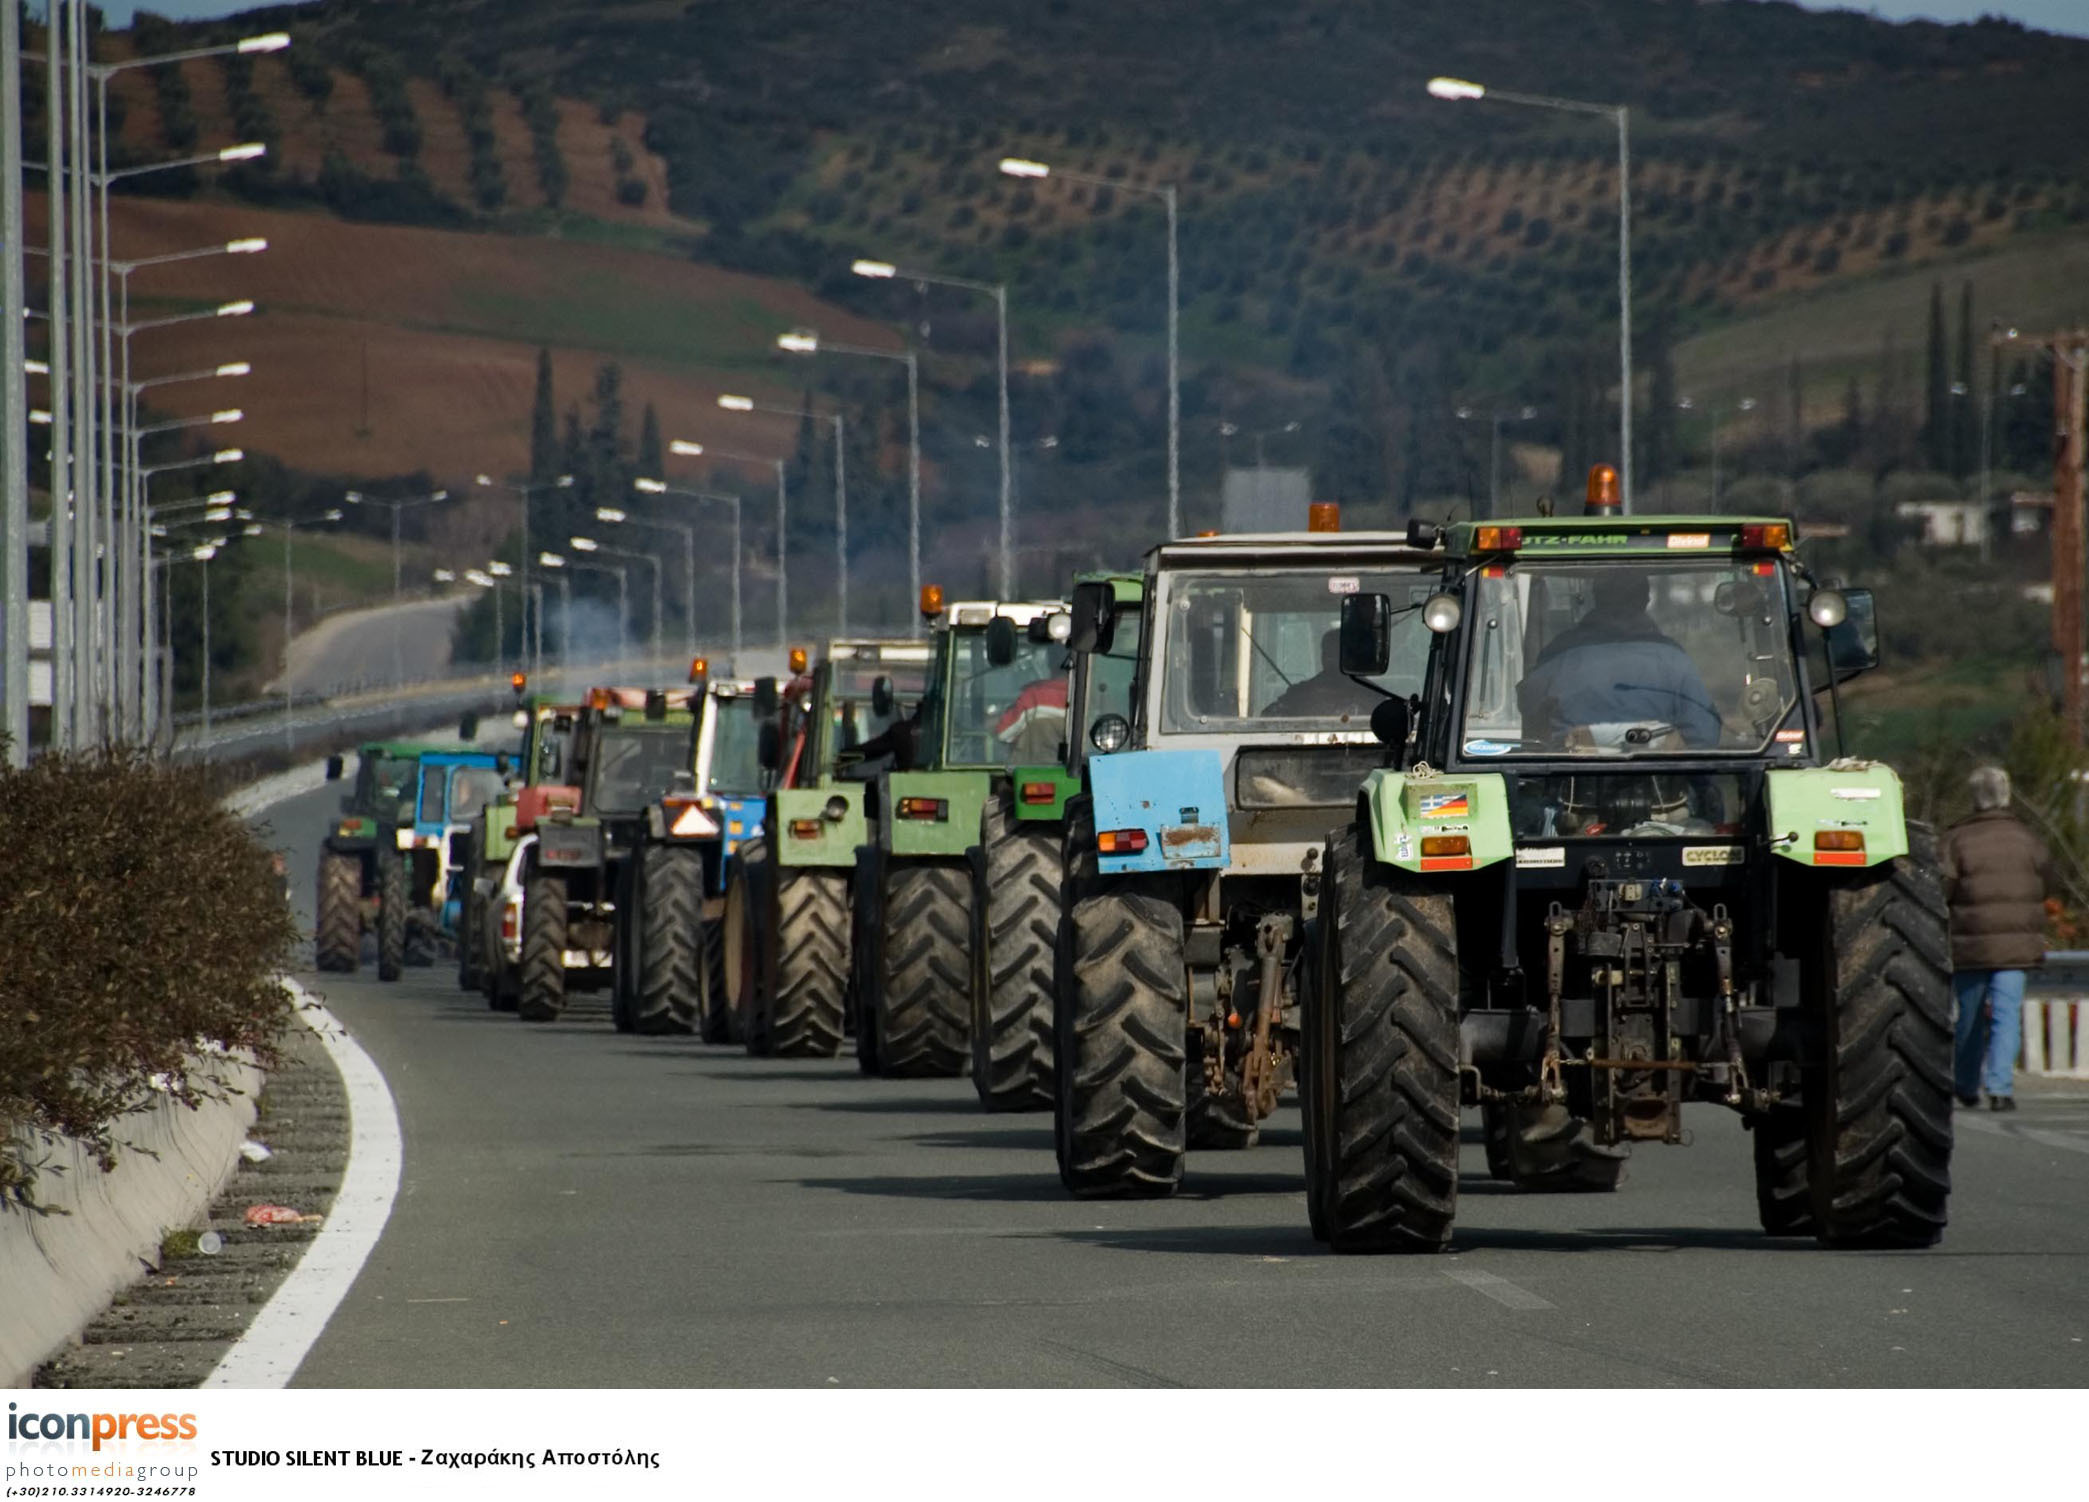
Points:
(1552, 1151)
(668, 990)
(737, 1006)
(1121, 1018)
(1878, 1101)
(1015, 929)
(337, 940)
(807, 967)
(543, 990)
(920, 969)
(1381, 1120)
(1783, 1190)
(863, 949)
(391, 916)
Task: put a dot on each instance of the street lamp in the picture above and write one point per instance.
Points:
(687, 449)
(648, 486)
(998, 291)
(1018, 167)
(525, 493)
(590, 545)
(1495, 420)
(1462, 89)
(616, 516)
(809, 342)
(357, 498)
(841, 494)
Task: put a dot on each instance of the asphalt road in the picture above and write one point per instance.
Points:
(580, 1208)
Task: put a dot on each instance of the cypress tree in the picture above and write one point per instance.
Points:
(544, 432)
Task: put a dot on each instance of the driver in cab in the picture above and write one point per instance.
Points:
(1613, 672)
(1329, 694)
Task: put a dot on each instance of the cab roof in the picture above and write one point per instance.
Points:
(876, 649)
(1619, 536)
(1265, 549)
(979, 612)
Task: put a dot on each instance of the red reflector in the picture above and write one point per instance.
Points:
(1446, 863)
(937, 809)
(1838, 857)
(1040, 792)
(805, 829)
(1121, 841)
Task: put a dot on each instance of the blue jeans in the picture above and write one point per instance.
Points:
(1990, 1023)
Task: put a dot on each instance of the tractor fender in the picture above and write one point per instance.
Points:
(1846, 797)
(803, 835)
(1176, 799)
(1400, 810)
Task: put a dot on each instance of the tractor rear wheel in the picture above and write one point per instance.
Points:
(807, 969)
(1783, 1191)
(1381, 1119)
(737, 1006)
(471, 926)
(863, 959)
(1015, 929)
(1878, 1101)
(337, 940)
(543, 994)
(1121, 1018)
(667, 991)
(920, 985)
(391, 916)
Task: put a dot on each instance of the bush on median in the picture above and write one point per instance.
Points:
(143, 933)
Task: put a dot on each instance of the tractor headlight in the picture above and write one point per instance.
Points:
(1110, 732)
(1441, 614)
(403, 838)
(835, 810)
(1829, 608)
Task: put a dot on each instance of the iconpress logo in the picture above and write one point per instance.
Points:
(96, 1427)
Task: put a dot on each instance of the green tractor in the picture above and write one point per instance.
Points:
(786, 926)
(1017, 867)
(1613, 867)
(996, 670)
(349, 873)
(489, 952)
(630, 749)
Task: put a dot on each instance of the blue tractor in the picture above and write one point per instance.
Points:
(420, 878)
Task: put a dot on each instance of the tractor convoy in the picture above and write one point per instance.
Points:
(1548, 818)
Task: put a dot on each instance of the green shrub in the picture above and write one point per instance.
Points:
(145, 932)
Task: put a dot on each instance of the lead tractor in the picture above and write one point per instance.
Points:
(995, 669)
(786, 924)
(1216, 736)
(1616, 864)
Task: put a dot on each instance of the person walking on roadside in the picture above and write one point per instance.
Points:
(1997, 874)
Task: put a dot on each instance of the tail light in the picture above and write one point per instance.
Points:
(510, 920)
(1766, 535)
(1121, 841)
(805, 829)
(936, 809)
(1838, 847)
(1040, 792)
(1446, 852)
(1497, 539)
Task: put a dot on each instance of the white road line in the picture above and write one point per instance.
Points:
(276, 1343)
(2064, 1140)
(1499, 1289)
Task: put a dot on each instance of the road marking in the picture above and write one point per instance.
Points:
(1499, 1289)
(283, 1333)
(2068, 1141)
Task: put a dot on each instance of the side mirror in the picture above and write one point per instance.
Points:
(1367, 635)
(765, 697)
(1853, 642)
(333, 768)
(1000, 642)
(1391, 719)
(768, 745)
(1094, 617)
(881, 700)
(1422, 534)
(468, 727)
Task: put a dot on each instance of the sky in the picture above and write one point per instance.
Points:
(2070, 16)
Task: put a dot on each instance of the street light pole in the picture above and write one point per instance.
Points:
(14, 403)
(806, 342)
(884, 270)
(617, 516)
(590, 546)
(841, 495)
(357, 498)
(1462, 89)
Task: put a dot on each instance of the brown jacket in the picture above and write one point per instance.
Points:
(1997, 875)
